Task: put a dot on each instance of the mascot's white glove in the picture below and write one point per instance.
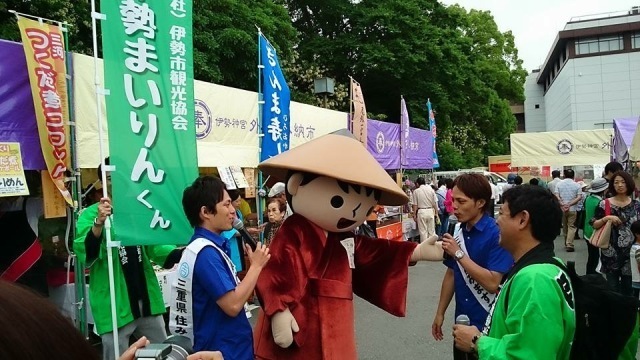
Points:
(283, 325)
(429, 250)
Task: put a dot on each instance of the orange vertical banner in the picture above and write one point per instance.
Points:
(44, 49)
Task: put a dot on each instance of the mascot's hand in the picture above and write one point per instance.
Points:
(283, 325)
(430, 250)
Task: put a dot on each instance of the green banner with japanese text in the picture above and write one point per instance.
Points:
(148, 66)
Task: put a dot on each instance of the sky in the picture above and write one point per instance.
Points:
(535, 24)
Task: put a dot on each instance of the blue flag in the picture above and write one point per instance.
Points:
(434, 134)
(277, 98)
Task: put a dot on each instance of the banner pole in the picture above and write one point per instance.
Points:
(260, 110)
(107, 224)
(80, 280)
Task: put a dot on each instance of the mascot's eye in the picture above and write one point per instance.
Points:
(337, 201)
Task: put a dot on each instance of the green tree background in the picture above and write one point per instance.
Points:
(415, 48)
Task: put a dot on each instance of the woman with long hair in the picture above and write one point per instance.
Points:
(616, 264)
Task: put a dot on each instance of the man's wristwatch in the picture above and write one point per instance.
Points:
(96, 223)
(459, 254)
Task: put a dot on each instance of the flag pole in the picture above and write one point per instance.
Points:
(107, 224)
(80, 280)
(260, 111)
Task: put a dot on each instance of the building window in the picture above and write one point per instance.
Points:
(601, 44)
(635, 40)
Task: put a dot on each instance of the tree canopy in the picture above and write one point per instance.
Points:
(419, 49)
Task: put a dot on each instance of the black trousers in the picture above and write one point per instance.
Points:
(461, 355)
(592, 260)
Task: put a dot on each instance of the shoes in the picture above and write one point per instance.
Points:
(569, 248)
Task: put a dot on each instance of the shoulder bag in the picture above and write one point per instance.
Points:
(602, 237)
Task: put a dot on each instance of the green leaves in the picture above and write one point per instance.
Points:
(416, 48)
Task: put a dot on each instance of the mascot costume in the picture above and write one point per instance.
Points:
(318, 263)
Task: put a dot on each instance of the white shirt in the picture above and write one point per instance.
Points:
(552, 185)
(633, 255)
(425, 198)
(494, 191)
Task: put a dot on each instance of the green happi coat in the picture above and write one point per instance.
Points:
(99, 297)
(539, 322)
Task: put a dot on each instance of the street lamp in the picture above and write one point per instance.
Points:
(324, 86)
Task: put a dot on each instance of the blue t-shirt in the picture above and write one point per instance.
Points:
(230, 235)
(213, 329)
(482, 243)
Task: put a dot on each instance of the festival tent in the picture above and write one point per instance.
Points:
(226, 118)
(226, 121)
(559, 148)
(624, 130)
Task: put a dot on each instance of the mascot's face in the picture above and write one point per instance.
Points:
(326, 204)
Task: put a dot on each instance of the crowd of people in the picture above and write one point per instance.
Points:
(483, 256)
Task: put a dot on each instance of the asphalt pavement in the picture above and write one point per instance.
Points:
(381, 336)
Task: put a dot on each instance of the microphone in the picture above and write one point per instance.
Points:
(463, 319)
(239, 226)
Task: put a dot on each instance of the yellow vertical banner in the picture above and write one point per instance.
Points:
(44, 50)
(359, 113)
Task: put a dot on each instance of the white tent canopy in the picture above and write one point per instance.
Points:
(558, 148)
(226, 126)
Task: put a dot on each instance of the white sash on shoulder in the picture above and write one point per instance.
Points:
(181, 314)
(484, 298)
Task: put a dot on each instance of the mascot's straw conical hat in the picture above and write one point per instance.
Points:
(338, 155)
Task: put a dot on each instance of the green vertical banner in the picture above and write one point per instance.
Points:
(148, 66)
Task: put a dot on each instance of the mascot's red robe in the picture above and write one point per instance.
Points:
(309, 273)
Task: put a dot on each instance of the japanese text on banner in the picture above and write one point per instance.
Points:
(12, 180)
(277, 98)
(44, 50)
(148, 52)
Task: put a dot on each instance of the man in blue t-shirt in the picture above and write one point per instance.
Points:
(474, 259)
(218, 298)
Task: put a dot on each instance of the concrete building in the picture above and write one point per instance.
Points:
(590, 76)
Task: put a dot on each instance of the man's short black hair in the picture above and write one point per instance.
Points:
(613, 167)
(545, 214)
(555, 174)
(206, 191)
(420, 181)
(635, 227)
(518, 180)
(534, 181)
(441, 182)
(569, 174)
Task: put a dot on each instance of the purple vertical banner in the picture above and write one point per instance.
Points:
(434, 132)
(383, 142)
(404, 131)
(17, 115)
(419, 154)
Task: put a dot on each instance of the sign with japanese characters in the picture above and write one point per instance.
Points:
(148, 65)
(275, 110)
(12, 180)
(561, 148)
(359, 113)
(44, 50)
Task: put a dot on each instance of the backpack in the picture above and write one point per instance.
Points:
(605, 319)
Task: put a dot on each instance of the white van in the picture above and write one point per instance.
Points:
(493, 177)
